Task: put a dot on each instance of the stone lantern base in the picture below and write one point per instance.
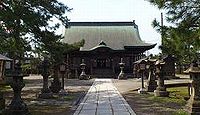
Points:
(62, 93)
(193, 107)
(47, 94)
(151, 86)
(83, 77)
(161, 92)
(122, 76)
(55, 86)
(15, 109)
(142, 91)
(2, 103)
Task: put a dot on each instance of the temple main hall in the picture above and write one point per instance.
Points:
(105, 44)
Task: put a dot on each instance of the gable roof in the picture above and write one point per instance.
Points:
(116, 35)
(2, 57)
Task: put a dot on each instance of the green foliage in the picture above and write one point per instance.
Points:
(22, 22)
(26, 67)
(57, 49)
(182, 40)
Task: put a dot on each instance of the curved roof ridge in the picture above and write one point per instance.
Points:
(116, 23)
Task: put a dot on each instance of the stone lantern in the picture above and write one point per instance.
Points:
(3, 61)
(194, 101)
(161, 89)
(142, 68)
(121, 74)
(83, 76)
(62, 70)
(151, 82)
(17, 106)
(45, 92)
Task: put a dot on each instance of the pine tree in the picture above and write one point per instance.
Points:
(183, 38)
(23, 22)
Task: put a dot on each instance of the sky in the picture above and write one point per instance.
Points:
(118, 10)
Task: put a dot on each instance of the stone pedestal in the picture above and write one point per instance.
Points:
(2, 103)
(17, 106)
(83, 76)
(194, 101)
(161, 89)
(142, 91)
(55, 85)
(151, 86)
(121, 74)
(45, 92)
(151, 83)
(161, 92)
(62, 92)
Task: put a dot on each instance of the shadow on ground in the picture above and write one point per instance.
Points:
(143, 104)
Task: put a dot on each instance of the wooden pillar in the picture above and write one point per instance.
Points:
(113, 65)
(1, 70)
(91, 66)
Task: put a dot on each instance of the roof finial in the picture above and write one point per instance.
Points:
(134, 21)
(135, 26)
(102, 43)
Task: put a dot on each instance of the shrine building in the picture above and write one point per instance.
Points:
(105, 44)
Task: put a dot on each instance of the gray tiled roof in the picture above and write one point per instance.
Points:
(116, 35)
(4, 58)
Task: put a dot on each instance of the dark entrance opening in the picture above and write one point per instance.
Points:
(101, 63)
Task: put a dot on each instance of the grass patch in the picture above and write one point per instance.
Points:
(178, 92)
(4, 88)
(53, 109)
(69, 97)
(168, 100)
(180, 112)
(46, 110)
(176, 96)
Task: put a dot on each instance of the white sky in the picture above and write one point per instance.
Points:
(118, 10)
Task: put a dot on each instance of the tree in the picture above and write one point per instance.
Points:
(182, 39)
(22, 23)
(185, 13)
(55, 48)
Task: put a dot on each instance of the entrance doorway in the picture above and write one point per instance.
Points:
(101, 63)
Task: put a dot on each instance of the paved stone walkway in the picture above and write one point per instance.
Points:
(103, 98)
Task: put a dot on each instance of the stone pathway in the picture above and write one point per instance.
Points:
(103, 98)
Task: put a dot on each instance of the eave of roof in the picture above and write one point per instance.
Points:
(2, 57)
(146, 46)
